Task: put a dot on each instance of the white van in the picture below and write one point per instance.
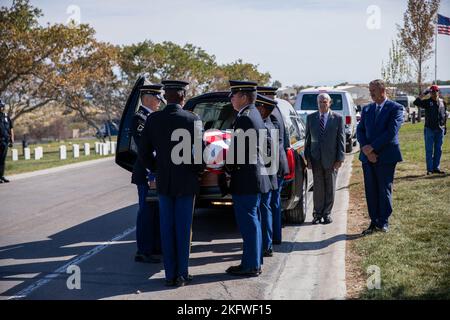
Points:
(408, 107)
(342, 103)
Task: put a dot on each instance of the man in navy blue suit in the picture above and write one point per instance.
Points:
(377, 135)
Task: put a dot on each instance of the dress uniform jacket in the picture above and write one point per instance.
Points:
(278, 122)
(139, 175)
(171, 179)
(270, 126)
(246, 178)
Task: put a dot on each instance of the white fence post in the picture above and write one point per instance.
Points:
(40, 152)
(62, 152)
(113, 147)
(97, 147)
(87, 149)
(27, 153)
(104, 149)
(76, 150)
(15, 154)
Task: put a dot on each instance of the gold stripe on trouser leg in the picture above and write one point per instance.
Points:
(192, 221)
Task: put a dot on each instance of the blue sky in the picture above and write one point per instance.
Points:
(298, 42)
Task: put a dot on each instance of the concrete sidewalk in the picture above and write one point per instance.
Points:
(315, 266)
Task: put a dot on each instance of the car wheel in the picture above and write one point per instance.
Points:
(297, 215)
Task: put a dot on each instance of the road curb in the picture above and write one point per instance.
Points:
(77, 165)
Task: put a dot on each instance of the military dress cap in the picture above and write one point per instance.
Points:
(174, 84)
(153, 89)
(264, 90)
(265, 102)
(236, 86)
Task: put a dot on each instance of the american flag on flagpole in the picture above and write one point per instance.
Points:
(443, 25)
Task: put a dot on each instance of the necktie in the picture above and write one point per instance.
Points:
(377, 111)
(322, 123)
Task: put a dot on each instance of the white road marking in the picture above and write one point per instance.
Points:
(76, 261)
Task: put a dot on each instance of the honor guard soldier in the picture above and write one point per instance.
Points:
(283, 167)
(148, 238)
(6, 139)
(176, 181)
(265, 107)
(247, 180)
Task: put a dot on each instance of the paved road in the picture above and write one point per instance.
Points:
(85, 216)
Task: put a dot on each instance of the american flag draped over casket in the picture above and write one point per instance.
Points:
(217, 144)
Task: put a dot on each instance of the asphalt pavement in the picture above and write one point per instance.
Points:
(83, 216)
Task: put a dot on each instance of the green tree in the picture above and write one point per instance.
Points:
(44, 65)
(168, 60)
(417, 34)
(277, 84)
(397, 70)
(238, 70)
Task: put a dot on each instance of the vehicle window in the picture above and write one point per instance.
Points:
(301, 127)
(404, 103)
(216, 115)
(309, 102)
(294, 131)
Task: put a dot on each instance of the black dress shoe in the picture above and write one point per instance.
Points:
(327, 220)
(438, 171)
(234, 268)
(182, 281)
(239, 271)
(277, 242)
(371, 229)
(171, 282)
(268, 253)
(146, 258)
(316, 220)
(4, 180)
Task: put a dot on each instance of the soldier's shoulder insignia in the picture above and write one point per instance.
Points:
(246, 113)
(195, 114)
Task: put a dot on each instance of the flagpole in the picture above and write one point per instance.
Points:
(435, 50)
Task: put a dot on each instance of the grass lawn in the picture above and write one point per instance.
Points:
(51, 156)
(414, 257)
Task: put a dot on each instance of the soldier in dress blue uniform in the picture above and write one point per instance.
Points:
(147, 223)
(247, 180)
(176, 181)
(283, 167)
(265, 107)
(6, 139)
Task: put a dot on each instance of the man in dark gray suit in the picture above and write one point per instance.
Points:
(324, 152)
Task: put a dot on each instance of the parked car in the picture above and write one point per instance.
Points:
(408, 106)
(342, 103)
(217, 113)
(108, 128)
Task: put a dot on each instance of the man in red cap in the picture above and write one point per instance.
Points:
(435, 120)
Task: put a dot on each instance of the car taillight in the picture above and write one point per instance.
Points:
(291, 163)
(348, 120)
